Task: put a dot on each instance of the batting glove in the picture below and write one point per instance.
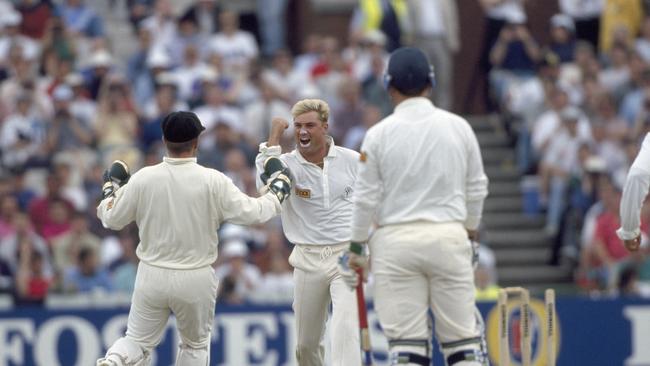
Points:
(350, 261)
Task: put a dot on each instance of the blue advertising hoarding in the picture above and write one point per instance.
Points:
(591, 332)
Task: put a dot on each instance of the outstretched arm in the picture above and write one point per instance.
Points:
(634, 193)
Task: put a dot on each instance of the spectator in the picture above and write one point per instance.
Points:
(188, 74)
(41, 210)
(205, 14)
(389, 17)
(436, 32)
(373, 90)
(11, 36)
(87, 276)
(513, 57)
(354, 136)
(22, 135)
(24, 235)
(66, 133)
(31, 282)
(217, 143)
(608, 248)
(215, 109)
(620, 19)
(562, 37)
(308, 58)
(642, 44)
(100, 63)
(66, 247)
(124, 269)
(485, 275)
(162, 26)
(116, 123)
(258, 114)
(81, 106)
(285, 78)
(586, 15)
(350, 110)
(36, 15)
(558, 163)
(239, 277)
(272, 19)
(81, 19)
(237, 47)
(59, 40)
(188, 35)
(8, 211)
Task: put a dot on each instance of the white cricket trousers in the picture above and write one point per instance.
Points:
(420, 265)
(190, 294)
(318, 283)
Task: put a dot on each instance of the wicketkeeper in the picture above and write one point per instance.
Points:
(178, 206)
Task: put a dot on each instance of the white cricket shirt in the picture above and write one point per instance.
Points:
(634, 193)
(419, 163)
(178, 206)
(319, 209)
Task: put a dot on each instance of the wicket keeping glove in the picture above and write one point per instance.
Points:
(116, 175)
(350, 261)
(277, 178)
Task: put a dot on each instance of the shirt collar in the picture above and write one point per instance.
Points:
(413, 102)
(330, 154)
(178, 161)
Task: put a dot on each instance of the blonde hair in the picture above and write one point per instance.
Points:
(312, 105)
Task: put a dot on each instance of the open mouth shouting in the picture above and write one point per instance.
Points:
(305, 141)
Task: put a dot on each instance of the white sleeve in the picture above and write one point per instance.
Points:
(119, 210)
(476, 184)
(239, 208)
(367, 189)
(634, 193)
(264, 153)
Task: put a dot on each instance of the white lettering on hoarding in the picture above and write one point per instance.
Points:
(639, 317)
(86, 335)
(14, 333)
(247, 335)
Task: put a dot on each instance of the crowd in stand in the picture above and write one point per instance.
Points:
(577, 109)
(70, 103)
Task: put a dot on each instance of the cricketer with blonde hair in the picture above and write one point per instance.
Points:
(315, 218)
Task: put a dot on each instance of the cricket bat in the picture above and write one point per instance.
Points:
(364, 335)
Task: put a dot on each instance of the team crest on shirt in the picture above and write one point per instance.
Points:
(363, 157)
(303, 193)
(109, 205)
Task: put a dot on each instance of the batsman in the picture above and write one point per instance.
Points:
(316, 219)
(421, 180)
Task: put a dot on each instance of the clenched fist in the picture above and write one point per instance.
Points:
(278, 125)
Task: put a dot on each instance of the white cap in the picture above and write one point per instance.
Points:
(11, 19)
(62, 93)
(101, 58)
(563, 21)
(571, 113)
(166, 78)
(516, 18)
(595, 164)
(209, 75)
(231, 231)
(74, 79)
(158, 58)
(375, 36)
(234, 248)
